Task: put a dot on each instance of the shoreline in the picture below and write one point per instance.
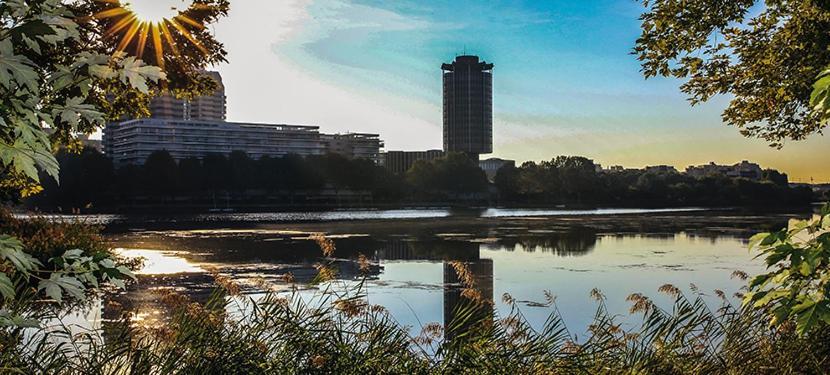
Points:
(739, 223)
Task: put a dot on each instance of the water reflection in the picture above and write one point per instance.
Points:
(412, 273)
(457, 303)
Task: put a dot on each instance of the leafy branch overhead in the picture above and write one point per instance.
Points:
(764, 55)
(61, 70)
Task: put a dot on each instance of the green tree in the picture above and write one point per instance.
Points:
(507, 181)
(578, 176)
(766, 60)
(454, 174)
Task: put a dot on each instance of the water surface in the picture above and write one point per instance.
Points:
(522, 254)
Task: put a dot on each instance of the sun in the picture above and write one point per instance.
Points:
(155, 10)
(140, 26)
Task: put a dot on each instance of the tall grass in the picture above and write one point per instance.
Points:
(343, 334)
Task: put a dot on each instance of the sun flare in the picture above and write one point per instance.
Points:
(155, 10)
(154, 26)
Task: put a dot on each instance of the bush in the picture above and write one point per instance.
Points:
(798, 285)
(48, 260)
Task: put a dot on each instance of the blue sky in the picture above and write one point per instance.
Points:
(564, 79)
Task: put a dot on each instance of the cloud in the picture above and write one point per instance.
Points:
(264, 85)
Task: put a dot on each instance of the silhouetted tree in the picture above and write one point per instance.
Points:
(217, 172)
(161, 175)
(191, 175)
(507, 182)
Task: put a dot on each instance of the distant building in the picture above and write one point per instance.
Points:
(91, 143)
(399, 162)
(203, 108)
(83, 138)
(661, 169)
(816, 188)
(491, 166)
(743, 169)
(468, 106)
(131, 142)
(354, 145)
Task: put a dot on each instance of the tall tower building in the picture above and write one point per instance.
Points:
(468, 106)
(202, 108)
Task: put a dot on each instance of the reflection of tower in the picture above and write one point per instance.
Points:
(481, 271)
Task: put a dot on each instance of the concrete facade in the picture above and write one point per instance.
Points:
(354, 145)
(131, 142)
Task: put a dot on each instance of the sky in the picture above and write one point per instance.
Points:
(565, 82)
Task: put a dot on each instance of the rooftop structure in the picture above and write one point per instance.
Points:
(743, 169)
(202, 108)
(491, 166)
(354, 145)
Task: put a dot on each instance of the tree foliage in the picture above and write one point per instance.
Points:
(60, 68)
(765, 55)
(453, 174)
(569, 179)
(798, 283)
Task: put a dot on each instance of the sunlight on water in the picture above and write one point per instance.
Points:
(158, 262)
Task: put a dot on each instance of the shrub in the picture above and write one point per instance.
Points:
(798, 285)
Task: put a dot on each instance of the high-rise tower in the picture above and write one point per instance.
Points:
(203, 108)
(468, 106)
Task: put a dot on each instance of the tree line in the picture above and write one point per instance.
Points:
(568, 179)
(89, 180)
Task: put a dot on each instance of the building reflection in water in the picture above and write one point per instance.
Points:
(457, 305)
(246, 256)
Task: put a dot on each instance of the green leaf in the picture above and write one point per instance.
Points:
(126, 272)
(808, 316)
(136, 73)
(759, 281)
(57, 284)
(12, 250)
(757, 239)
(769, 297)
(74, 110)
(27, 159)
(6, 287)
(107, 263)
(9, 320)
(16, 68)
(73, 254)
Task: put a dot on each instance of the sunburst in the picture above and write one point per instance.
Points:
(138, 24)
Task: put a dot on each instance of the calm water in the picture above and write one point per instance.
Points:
(522, 253)
(348, 215)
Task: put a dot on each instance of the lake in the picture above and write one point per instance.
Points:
(519, 252)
